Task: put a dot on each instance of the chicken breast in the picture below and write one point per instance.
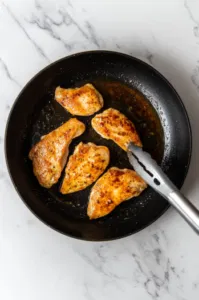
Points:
(112, 124)
(83, 101)
(111, 189)
(85, 165)
(49, 155)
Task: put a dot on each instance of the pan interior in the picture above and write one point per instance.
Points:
(132, 87)
(49, 115)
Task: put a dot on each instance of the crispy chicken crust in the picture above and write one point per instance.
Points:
(112, 124)
(83, 101)
(49, 155)
(85, 165)
(111, 189)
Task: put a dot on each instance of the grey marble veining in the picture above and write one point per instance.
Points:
(162, 261)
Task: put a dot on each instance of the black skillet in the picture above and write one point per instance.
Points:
(127, 84)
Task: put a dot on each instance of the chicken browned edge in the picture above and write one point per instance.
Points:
(112, 124)
(82, 101)
(111, 189)
(49, 155)
(84, 166)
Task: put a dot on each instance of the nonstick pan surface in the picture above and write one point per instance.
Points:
(127, 84)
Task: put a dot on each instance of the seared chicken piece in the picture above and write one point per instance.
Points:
(112, 124)
(49, 155)
(83, 101)
(85, 165)
(111, 189)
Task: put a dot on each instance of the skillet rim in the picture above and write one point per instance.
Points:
(87, 53)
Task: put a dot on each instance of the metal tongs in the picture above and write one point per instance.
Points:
(148, 169)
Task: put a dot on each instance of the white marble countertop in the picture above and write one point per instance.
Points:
(162, 261)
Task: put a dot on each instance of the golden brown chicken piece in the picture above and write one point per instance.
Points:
(49, 155)
(112, 124)
(83, 101)
(111, 189)
(85, 165)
